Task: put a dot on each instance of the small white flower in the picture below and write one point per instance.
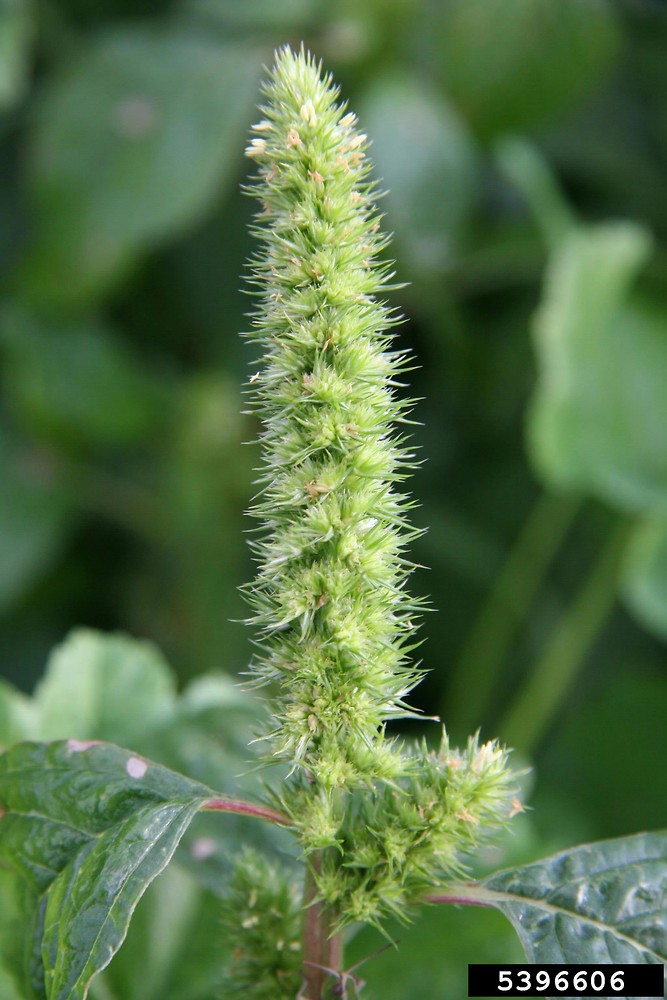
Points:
(256, 147)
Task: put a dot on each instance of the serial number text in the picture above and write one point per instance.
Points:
(566, 980)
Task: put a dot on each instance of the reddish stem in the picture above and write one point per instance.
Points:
(244, 808)
(467, 893)
(322, 946)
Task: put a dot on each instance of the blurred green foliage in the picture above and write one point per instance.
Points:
(524, 145)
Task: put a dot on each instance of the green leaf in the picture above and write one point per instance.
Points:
(603, 903)
(208, 733)
(104, 687)
(131, 145)
(89, 826)
(597, 419)
(644, 580)
(16, 30)
(511, 64)
(426, 160)
(76, 383)
(174, 948)
(120, 689)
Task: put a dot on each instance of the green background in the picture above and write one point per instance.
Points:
(524, 147)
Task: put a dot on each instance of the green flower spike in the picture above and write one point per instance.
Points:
(336, 625)
(261, 922)
(336, 622)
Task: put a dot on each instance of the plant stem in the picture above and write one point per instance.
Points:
(478, 667)
(466, 893)
(322, 946)
(244, 808)
(546, 687)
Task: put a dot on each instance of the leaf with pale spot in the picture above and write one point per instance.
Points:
(89, 826)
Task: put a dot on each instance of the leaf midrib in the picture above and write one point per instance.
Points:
(494, 897)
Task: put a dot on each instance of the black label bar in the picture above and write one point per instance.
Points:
(566, 981)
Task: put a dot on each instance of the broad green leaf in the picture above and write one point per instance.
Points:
(119, 689)
(16, 30)
(207, 738)
(35, 516)
(174, 949)
(134, 140)
(597, 419)
(602, 903)
(511, 64)
(104, 687)
(89, 826)
(644, 580)
(76, 383)
(113, 687)
(208, 732)
(426, 160)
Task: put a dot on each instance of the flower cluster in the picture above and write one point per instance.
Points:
(335, 621)
(261, 920)
(336, 625)
(392, 847)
